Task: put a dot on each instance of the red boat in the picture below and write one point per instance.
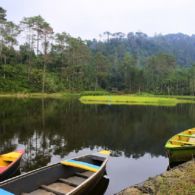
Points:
(9, 163)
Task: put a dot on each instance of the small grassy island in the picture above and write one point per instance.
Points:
(137, 100)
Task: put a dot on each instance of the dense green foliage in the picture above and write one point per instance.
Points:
(40, 60)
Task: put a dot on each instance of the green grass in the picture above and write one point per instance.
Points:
(135, 100)
(37, 95)
(99, 92)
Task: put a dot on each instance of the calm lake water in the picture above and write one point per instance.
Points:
(50, 130)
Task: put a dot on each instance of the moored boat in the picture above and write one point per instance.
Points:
(181, 147)
(71, 177)
(9, 163)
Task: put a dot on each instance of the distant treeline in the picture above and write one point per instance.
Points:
(33, 58)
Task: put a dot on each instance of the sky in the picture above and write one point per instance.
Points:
(90, 18)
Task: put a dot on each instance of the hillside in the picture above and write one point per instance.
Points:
(179, 45)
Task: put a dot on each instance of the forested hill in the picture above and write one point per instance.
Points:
(179, 45)
(34, 58)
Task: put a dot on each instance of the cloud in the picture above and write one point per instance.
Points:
(89, 18)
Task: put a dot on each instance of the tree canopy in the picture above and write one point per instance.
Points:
(34, 58)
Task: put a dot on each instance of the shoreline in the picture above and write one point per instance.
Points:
(109, 99)
(177, 181)
(38, 95)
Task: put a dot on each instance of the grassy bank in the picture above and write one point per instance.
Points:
(51, 95)
(136, 100)
(180, 180)
(37, 95)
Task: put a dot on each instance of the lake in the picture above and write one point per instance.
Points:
(53, 129)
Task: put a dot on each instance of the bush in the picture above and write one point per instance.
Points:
(84, 93)
(14, 78)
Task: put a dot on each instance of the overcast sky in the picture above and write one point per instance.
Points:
(89, 18)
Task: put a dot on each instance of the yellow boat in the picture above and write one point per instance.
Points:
(181, 147)
(9, 163)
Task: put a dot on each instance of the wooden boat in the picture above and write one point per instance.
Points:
(101, 186)
(70, 177)
(9, 163)
(181, 147)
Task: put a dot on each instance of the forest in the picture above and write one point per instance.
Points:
(34, 58)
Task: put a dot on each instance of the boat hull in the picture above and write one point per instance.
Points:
(181, 147)
(12, 168)
(86, 188)
(32, 181)
(181, 154)
(11, 171)
(100, 187)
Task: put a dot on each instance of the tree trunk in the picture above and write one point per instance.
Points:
(43, 78)
(37, 42)
(1, 49)
(96, 83)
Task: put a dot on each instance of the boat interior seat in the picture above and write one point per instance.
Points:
(182, 142)
(85, 174)
(74, 180)
(3, 163)
(187, 135)
(81, 165)
(39, 192)
(58, 188)
(12, 156)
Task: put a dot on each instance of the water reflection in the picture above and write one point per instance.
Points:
(51, 129)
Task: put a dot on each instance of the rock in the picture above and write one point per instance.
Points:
(177, 181)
